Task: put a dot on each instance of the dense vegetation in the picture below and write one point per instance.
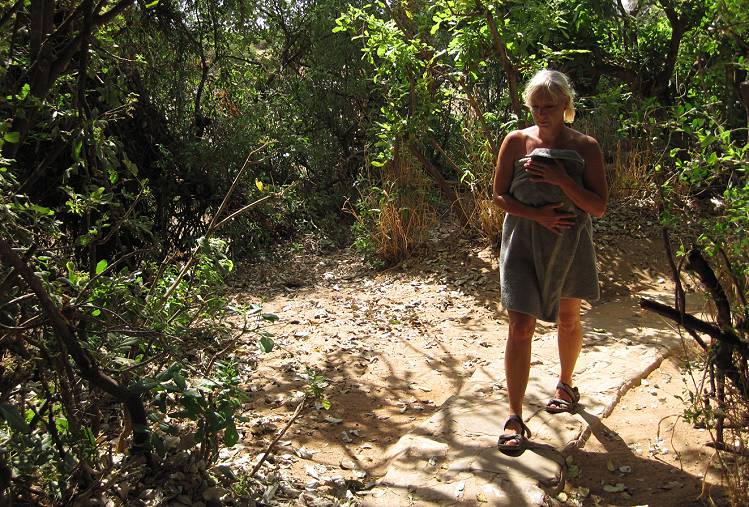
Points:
(145, 145)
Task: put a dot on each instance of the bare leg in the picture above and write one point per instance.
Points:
(569, 341)
(518, 360)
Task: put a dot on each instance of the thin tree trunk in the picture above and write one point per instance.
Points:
(504, 59)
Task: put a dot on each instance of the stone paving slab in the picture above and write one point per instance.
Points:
(452, 459)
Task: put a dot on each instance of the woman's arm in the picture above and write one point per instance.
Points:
(593, 196)
(512, 149)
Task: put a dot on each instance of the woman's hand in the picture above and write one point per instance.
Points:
(552, 172)
(553, 220)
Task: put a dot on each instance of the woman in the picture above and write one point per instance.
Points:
(549, 180)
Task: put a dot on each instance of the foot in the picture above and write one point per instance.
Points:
(514, 438)
(565, 399)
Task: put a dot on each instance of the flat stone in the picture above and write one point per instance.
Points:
(462, 434)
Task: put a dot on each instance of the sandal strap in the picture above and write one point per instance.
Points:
(503, 439)
(560, 402)
(525, 432)
(572, 392)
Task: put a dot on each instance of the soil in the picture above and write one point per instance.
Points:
(395, 344)
(647, 446)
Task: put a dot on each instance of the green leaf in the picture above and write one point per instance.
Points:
(231, 436)
(152, 4)
(77, 146)
(13, 417)
(24, 92)
(41, 210)
(265, 344)
(179, 380)
(62, 425)
(270, 317)
(72, 275)
(101, 266)
(12, 137)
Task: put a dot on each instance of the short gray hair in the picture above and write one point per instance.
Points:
(557, 85)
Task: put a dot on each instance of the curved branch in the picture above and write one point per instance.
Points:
(68, 341)
(699, 325)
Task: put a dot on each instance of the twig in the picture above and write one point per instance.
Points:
(106, 270)
(673, 430)
(212, 225)
(245, 208)
(279, 436)
(733, 449)
(19, 299)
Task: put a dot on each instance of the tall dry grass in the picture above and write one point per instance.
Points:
(395, 214)
(631, 173)
(482, 215)
(630, 162)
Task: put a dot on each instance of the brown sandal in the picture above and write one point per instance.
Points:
(558, 405)
(521, 438)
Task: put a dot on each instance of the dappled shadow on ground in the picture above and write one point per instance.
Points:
(379, 407)
(393, 356)
(629, 477)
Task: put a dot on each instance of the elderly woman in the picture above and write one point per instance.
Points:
(549, 180)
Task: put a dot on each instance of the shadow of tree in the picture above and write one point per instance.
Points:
(681, 488)
(380, 395)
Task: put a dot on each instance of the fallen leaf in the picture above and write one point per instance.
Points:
(614, 488)
(304, 453)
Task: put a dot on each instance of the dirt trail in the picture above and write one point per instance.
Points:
(396, 344)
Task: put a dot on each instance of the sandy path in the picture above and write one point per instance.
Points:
(395, 345)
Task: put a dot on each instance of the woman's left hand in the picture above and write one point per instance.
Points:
(552, 172)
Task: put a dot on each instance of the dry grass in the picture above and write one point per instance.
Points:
(481, 213)
(490, 218)
(630, 163)
(398, 215)
(632, 171)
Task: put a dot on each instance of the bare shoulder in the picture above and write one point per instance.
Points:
(586, 145)
(517, 136)
(513, 145)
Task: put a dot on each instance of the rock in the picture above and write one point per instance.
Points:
(214, 494)
(348, 464)
(614, 488)
(184, 500)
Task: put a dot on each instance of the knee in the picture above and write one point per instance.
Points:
(522, 328)
(568, 320)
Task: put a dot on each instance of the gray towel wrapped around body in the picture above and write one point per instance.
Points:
(538, 267)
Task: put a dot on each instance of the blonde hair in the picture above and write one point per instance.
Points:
(555, 84)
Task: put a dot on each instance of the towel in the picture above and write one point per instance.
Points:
(536, 266)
